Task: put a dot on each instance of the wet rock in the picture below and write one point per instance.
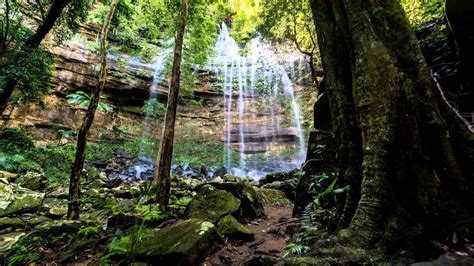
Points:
(184, 243)
(33, 180)
(231, 228)
(250, 206)
(271, 196)
(16, 199)
(210, 204)
(222, 171)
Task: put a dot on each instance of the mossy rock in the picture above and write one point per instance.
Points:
(288, 187)
(55, 208)
(7, 222)
(16, 199)
(231, 228)
(250, 205)
(272, 196)
(279, 176)
(36, 220)
(187, 242)
(33, 180)
(210, 204)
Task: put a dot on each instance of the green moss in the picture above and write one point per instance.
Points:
(211, 204)
(230, 227)
(185, 242)
(271, 196)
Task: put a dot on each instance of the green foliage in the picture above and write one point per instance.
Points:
(154, 108)
(427, 19)
(182, 202)
(14, 140)
(321, 198)
(31, 68)
(289, 21)
(296, 249)
(243, 16)
(83, 100)
(89, 231)
(149, 212)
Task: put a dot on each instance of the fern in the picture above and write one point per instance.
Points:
(296, 249)
(83, 100)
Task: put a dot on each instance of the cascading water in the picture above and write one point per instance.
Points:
(262, 114)
(145, 164)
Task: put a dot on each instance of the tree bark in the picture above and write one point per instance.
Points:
(162, 173)
(398, 146)
(74, 182)
(33, 42)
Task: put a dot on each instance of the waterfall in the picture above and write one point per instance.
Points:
(262, 114)
(150, 119)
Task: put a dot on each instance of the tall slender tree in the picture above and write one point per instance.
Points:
(33, 42)
(162, 173)
(74, 182)
(405, 152)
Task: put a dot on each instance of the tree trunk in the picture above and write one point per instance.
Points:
(396, 147)
(74, 183)
(162, 173)
(33, 42)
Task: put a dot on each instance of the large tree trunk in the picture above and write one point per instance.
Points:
(33, 42)
(162, 173)
(74, 182)
(397, 141)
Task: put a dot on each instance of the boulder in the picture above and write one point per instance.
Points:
(16, 199)
(222, 171)
(287, 186)
(187, 242)
(279, 176)
(33, 180)
(272, 196)
(231, 228)
(211, 204)
(250, 206)
(7, 222)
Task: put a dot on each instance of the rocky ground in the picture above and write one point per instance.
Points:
(120, 223)
(269, 238)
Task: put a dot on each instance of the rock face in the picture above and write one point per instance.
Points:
(184, 243)
(211, 204)
(16, 199)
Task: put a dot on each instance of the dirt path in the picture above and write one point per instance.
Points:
(267, 239)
